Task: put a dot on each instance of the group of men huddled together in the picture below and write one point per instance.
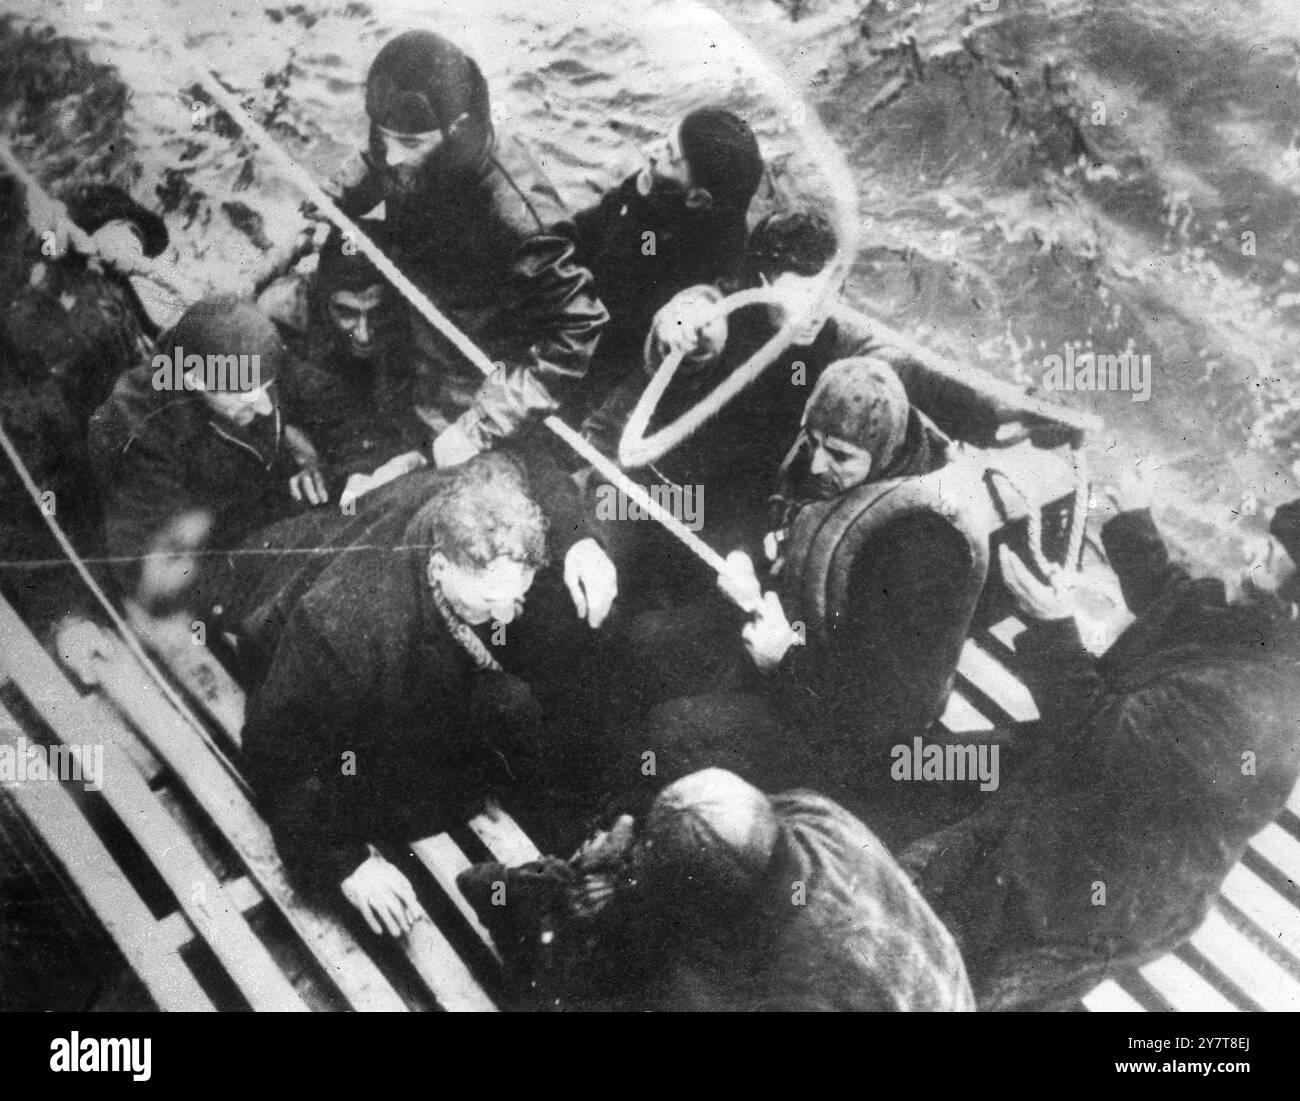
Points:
(367, 523)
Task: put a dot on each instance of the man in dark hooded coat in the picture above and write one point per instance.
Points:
(725, 899)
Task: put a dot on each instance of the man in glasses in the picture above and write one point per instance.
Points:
(192, 453)
(473, 216)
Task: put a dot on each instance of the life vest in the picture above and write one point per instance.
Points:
(969, 493)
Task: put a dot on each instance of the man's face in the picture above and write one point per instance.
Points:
(405, 155)
(798, 295)
(240, 407)
(666, 175)
(835, 465)
(356, 316)
(494, 593)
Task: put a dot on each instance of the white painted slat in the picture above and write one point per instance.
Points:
(445, 860)
(961, 717)
(1233, 954)
(1280, 849)
(503, 837)
(1184, 989)
(1110, 997)
(995, 680)
(1278, 919)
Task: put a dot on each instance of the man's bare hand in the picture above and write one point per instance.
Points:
(592, 580)
(768, 636)
(453, 447)
(1035, 600)
(688, 324)
(383, 895)
(309, 485)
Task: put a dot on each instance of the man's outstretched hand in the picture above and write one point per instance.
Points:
(383, 895)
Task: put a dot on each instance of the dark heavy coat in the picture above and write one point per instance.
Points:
(357, 413)
(641, 256)
(735, 457)
(339, 634)
(160, 453)
(1141, 785)
(834, 926)
(361, 731)
(484, 249)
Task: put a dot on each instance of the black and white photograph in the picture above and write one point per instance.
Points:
(651, 506)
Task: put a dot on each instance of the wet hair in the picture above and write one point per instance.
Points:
(482, 512)
(801, 241)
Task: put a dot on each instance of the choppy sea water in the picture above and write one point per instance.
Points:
(1116, 175)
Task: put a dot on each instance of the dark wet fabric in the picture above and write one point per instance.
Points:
(365, 666)
(641, 253)
(34, 572)
(358, 413)
(161, 453)
(735, 457)
(483, 247)
(1155, 765)
(832, 925)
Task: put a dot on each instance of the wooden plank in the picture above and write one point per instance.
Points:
(1281, 850)
(1277, 920)
(503, 837)
(993, 678)
(347, 965)
(1246, 966)
(175, 933)
(443, 971)
(1183, 988)
(1006, 631)
(195, 667)
(125, 917)
(1110, 997)
(960, 716)
(445, 860)
(357, 977)
(169, 849)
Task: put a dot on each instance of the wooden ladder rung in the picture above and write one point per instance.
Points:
(504, 839)
(175, 933)
(995, 680)
(163, 840)
(445, 860)
(116, 903)
(172, 738)
(1184, 989)
(1245, 965)
(1110, 997)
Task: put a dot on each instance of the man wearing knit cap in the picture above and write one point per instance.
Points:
(193, 452)
(473, 216)
(678, 222)
(726, 899)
